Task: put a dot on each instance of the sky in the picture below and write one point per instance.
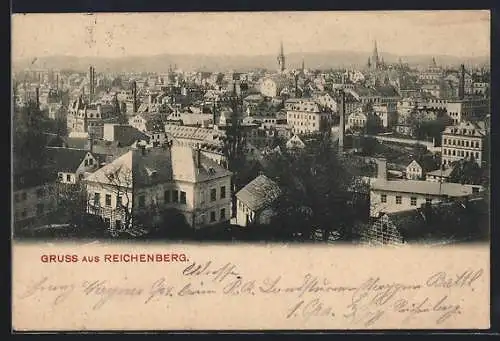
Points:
(456, 33)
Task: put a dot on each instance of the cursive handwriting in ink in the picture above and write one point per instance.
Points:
(159, 289)
(310, 308)
(425, 306)
(219, 274)
(43, 286)
(463, 279)
(105, 292)
(239, 286)
(192, 290)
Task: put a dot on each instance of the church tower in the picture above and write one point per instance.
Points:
(375, 61)
(281, 59)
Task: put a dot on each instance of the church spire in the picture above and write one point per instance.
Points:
(375, 60)
(281, 58)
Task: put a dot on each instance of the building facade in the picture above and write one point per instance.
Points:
(148, 182)
(462, 141)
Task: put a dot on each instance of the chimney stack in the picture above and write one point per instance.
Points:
(461, 85)
(37, 99)
(197, 156)
(382, 169)
(342, 122)
(91, 84)
(134, 95)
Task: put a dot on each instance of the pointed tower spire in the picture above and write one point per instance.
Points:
(281, 58)
(375, 60)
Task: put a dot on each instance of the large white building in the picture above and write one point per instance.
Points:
(148, 182)
(305, 116)
(462, 141)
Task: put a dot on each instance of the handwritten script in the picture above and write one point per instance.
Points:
(308, 296)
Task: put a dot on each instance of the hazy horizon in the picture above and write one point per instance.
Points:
(461, 34)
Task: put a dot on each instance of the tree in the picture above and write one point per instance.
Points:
(316, 189)
(29, 139)
(234, 143)
(466, 172)
(119, 182)
(372, 126)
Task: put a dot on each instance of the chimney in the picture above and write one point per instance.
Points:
(90, 84)
(57, 82)
(37, 95)
(461, 85)
(90, 142)
(134, 95)
(197, 156)
(342, 122)
(382, 169)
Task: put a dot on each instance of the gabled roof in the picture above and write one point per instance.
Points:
(126, 135)
(138, 168)
(65, 159)
(259, 193)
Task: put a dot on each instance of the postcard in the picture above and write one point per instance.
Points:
(251, 171)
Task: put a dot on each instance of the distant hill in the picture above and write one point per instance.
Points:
(160, 63)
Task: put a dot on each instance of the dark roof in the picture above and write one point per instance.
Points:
(126, 135)
(259, 193)
(387, 91)
(108, 148)
(448, 213)
(65, 159)
(76, 142)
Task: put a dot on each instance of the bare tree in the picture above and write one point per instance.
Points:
(119, 183)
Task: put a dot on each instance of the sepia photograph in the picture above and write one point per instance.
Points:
(299, 134)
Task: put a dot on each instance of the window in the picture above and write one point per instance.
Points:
(467, 143)
(428, 201)
(175, 196)
(383, 198)
(477, 155)
(212, 216)
(39, 209)
(166, 196)
(24, 214)
(68, 177)
(413, 201)
(142, 201)
(60, 177)
(399, 199)
(222, 214)
(107, 221)
(118, 200)
(475, 190)
(108, 199)
(24, 196)
(183, 197)
(86, 163)
(213, 194)
(118, 224)
(97, 199)
(91, 162)
(223, 192)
